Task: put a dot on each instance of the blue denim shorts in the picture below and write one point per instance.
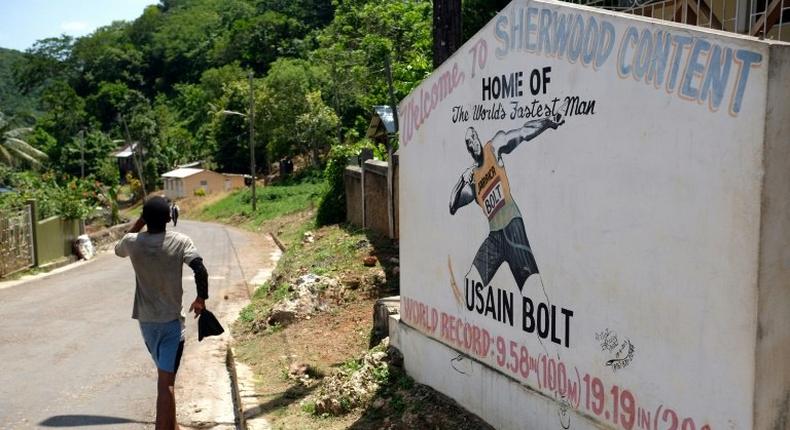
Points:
(165, 343)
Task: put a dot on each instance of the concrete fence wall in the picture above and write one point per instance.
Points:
(353, 184)
(54, 238)
(396, 196)
(368, 201)
(376, 196)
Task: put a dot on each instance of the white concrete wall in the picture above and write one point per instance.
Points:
(484, 392)
(174, 188)
(643, 214)
(772, 386)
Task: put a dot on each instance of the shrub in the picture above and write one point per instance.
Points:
(200, 192)
(135, 186)
(71, 198)
(332, 209)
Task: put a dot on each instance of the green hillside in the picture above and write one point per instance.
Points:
(12, 101)
(177, 80)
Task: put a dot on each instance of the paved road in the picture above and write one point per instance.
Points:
(71, 356)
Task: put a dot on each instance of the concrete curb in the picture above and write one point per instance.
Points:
(230, 362)
(28, 278)
(57, 264)
(101, 240)
(245, 396)
(277, 241)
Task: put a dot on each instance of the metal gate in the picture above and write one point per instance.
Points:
(16, 240)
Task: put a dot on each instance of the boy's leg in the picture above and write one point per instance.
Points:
(166, 401)
(165, 343)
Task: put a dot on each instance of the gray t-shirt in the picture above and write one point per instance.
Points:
(158, 261)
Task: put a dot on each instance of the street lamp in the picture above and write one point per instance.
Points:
(251, 120)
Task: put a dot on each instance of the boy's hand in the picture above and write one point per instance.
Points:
(138, 225)
(198, 306)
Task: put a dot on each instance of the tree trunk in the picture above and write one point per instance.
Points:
(446, 29)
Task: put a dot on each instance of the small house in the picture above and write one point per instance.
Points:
(186, 181)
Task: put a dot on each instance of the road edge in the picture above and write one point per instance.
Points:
(238, 409)
(243, 386)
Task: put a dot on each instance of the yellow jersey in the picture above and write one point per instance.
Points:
(492, 190)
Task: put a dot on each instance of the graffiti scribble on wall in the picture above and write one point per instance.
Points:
(623, 352)
(563, 413)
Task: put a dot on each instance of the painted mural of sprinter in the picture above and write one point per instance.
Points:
(486, 183)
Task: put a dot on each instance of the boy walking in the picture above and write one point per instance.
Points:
(158, 257)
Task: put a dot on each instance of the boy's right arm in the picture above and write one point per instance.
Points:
(138, 225)
(120, 247)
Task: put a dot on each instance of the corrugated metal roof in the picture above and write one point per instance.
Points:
(183, 172)
(383, 121)
(126, 151)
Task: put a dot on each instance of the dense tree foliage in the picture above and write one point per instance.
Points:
(14, 102)
(171, 76)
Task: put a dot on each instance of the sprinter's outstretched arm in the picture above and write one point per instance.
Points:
(506, 142)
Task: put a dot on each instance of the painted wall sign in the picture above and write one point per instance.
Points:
(578, 190)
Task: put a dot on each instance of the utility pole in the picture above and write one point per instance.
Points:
(390, 158)
(446, 29)
(251, 119)
(82, 154)
(393, 102)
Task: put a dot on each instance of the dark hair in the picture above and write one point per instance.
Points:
(156, 213)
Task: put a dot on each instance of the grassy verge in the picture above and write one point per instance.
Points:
(23, 273)
(273, 201)
(132, 212)
(335, 252)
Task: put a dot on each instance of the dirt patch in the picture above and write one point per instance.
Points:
(306, 362)
(323, 343)
(284, 224)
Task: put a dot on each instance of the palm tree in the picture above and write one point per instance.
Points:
(13, 149)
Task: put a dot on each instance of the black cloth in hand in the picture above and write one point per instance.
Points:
(208, 325)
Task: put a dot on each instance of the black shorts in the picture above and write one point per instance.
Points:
(507, 245)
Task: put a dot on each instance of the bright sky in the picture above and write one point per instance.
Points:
(22, 22)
